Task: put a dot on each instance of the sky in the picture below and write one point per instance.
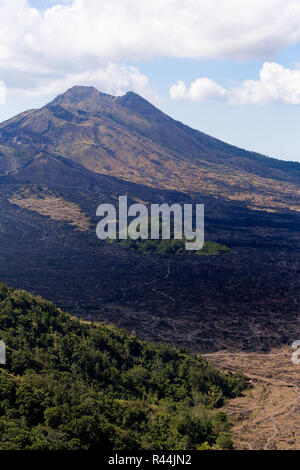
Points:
(230, 68)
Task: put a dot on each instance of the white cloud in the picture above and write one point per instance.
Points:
(276, 85)
(41, 50)
(178, 91)
(111, 78)
(134, 29)
(202, 89)
(205, 89)
(78, 33)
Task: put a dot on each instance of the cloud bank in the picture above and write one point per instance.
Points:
(110, 78)
(134, 29)
(41, 51)
(276, 84)
(202, 89)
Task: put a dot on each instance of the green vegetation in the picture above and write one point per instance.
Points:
(172, 247)
(70, 384)
(169, 247)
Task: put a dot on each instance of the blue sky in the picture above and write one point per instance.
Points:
(227, 67)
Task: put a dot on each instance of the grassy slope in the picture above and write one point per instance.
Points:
(76, 385)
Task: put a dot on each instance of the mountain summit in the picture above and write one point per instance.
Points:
(81, 97)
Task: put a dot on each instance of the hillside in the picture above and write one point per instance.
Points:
(70, 384)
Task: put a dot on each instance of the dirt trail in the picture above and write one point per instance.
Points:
(268, 415)
(158, 291)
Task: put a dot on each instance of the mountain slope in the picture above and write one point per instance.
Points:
(129, 138)
(79, 385)
(50, 187)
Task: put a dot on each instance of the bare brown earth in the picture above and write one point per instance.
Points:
(54, 207)
(268, 415)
